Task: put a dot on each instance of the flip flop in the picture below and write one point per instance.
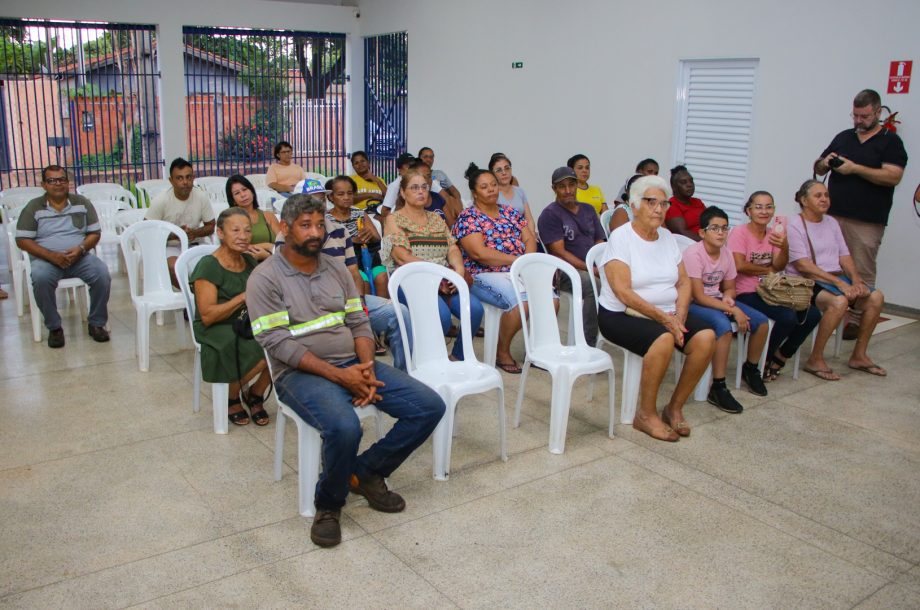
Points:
(509, 367)
(826, 374)
(872, 369)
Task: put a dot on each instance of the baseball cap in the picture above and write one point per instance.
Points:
(563, 173)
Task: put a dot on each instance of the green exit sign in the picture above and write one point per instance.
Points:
(517, 64)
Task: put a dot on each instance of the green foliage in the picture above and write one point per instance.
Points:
(103, 160)
(255, 140)
(18, 55)
(88, 90)
(137, 146)
(264, 61)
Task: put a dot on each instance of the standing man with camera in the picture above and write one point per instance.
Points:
(866, 163)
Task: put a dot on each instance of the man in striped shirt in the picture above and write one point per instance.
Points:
(307, 315)
(57, 230)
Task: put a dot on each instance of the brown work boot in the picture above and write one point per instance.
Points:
(326, 531)
(374, 488)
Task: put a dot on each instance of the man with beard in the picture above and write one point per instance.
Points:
(307, 315)
(569, 229)
(866, 163)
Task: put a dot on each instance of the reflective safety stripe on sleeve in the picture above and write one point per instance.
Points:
(353, 305)
(270, 321)
(327, 321)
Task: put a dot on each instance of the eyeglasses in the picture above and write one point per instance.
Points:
(717, 228)
(764, 208)
(418, 188)
(654, 203)
(502, 170)
(62, 180)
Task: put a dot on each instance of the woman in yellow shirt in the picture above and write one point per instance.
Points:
(592, 195)
(370, 189)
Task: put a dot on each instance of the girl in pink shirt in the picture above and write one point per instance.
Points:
(758, 250)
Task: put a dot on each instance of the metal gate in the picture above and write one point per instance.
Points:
(247, 89)
(80, 95)
(385, 97)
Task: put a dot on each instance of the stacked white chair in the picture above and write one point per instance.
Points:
(14, 254)
(309, 448)
(257, 180)
(26, 193)
(144, 245)
(215, 187)
(533, 274)
(428, 362)
(219, 391)
(107, 191)
(149, 189)
(606, 215)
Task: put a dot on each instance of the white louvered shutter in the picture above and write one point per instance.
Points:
(715, 107)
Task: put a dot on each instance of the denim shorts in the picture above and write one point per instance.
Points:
(496, 289)
(721, 323)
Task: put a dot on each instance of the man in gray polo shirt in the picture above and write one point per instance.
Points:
(57, 230)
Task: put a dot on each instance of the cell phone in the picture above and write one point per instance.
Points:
(780, 223)
(835, 162)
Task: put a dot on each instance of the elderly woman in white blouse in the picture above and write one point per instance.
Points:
(645, 306)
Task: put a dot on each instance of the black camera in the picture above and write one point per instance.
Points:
(835, 162)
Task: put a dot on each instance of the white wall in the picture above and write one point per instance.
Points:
(596, 81)
(170, 15)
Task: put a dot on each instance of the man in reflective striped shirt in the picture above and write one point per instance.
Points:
(307, 315)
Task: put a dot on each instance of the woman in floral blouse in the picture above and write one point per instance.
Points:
(414, 234)
(492, 237)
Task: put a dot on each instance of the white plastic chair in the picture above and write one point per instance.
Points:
(606, 215)
(15, 257)
(322, 179)
(107, 211)
(533, 273)
(107, 190)
(267, 198)
(257, 180)
(126, 218)
(144, 243)
(220, 392)
(215, 187)
(490, 322)
(149, 189)
(309, 448)
(20, 192)
(74, 284)
(428, 362)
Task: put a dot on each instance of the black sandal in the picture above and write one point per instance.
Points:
(256, 409)
(772, 368)
(239, 418)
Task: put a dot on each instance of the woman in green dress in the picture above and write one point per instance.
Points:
(265, 226)
(219, 282)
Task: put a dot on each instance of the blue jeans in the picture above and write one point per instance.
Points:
(719, 322)
(790, 327)
(90, 269)
(383, 320)
(327, 406)
(495, 289)
(448, 307)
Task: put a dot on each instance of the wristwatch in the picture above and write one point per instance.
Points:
(82, 249)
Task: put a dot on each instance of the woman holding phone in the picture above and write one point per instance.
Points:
(760, 249)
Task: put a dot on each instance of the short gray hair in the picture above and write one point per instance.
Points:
(232, 211)
(640, 186)
(299, 204)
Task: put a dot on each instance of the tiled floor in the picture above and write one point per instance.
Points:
(114, 494)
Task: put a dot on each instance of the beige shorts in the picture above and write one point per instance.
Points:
(863, 239)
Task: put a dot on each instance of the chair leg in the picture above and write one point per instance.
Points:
(143, 340)
(520, 398)
(611, 398)
(559, 411)
(279, 441)
(632, 377)
(491, 323)
(701, 391)
(220, 393)
(441, 441)
(502, 440)
(160, 321)
(196, 400)
(180, 324)
(741, 356)
(18, 291)
(310, 446)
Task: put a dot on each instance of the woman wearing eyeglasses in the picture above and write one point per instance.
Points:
(758, 250)
(414, 234)
(492, 237)
(508, 192)
(283, 175)
(644, 308)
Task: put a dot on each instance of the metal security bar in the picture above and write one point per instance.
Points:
(80, 95)
(246, 90)
(385, 100)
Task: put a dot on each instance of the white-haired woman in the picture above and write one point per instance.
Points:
(644, 308)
